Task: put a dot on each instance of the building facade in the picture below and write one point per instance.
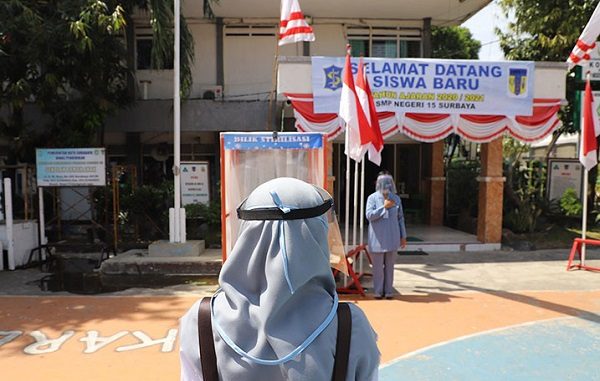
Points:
(234, 89)
(234, 78)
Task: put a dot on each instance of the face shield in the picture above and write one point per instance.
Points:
(385, 185)
(337, 256)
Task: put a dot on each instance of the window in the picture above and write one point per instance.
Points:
(388, 42)
(360, 48)
(384, 48)
(250, 30)
(143, 53)
(410, 49)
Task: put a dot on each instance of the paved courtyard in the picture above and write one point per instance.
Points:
(470, 316)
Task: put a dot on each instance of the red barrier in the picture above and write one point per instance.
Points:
(353, 286)
(577, 244)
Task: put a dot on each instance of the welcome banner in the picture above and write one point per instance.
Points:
(431, 86)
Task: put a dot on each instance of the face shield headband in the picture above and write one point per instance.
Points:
(281, 212)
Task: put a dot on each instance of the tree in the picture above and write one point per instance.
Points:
(454, 42)
(547, 31)
(543, 30)
(68, 56)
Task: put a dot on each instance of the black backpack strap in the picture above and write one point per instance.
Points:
(342, 348)
(208, 358)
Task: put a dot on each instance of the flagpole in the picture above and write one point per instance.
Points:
(362, 203)
(585, 172)
(347, 213)
(176, 222)
(585, 207)
(362, 212)
(355, 218)
(347, 152)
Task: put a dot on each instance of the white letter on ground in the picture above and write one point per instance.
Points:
(145, 341)
(94, 342)
(44, 345)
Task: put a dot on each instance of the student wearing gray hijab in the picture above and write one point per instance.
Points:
(387, 232)
(273, 317)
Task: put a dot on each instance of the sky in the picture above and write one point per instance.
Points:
(482, 27)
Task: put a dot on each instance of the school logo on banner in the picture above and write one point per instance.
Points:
(517, 82)
(333, 77)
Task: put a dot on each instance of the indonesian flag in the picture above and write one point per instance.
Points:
(587, 41)
(293, 27)
(588, 150)
(367, 103)
(359, 134)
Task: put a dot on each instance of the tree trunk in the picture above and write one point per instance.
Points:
(552, 144)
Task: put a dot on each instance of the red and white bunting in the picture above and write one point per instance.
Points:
(434, 127)
(357, 125)
(588, 149)
(293, 27)
(367, 103)
(580, 54)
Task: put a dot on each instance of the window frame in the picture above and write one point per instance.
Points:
(146, 35)
(397, 34)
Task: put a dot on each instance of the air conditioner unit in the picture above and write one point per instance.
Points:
(214, 92)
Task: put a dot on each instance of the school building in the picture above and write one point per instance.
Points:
(233, 77)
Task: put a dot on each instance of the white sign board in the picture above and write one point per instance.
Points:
(194, 182)
(431, 86)
(59, 167)
(594, 68)
(564, 174)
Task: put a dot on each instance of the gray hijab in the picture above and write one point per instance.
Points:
(278, 295)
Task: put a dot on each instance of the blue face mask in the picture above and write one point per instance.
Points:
(298, 350)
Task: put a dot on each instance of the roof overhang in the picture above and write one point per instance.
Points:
(451, 12)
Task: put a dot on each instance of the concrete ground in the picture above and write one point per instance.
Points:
(458, 316)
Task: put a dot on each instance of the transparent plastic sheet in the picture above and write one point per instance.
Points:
(337, 253)
(244, 170)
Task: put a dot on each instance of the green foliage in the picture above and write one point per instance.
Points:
(570, 204)
(462, 194)
(512, 150)
(161, 22)
(67, 56)
(546, 31)
(454, 42)
(210, 213)
(204, 222)
(148, 207)
(462, 187)
(522, 220)
(207, 6)
(524, 189)
(543, 30)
